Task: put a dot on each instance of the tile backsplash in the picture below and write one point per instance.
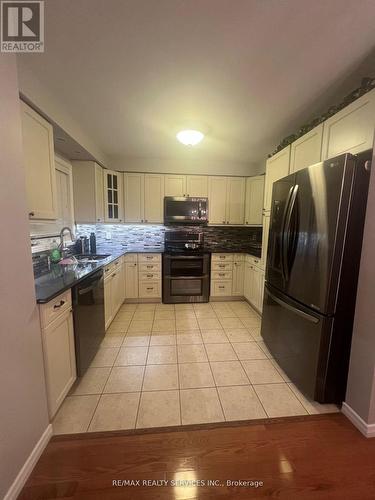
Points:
(127, 235)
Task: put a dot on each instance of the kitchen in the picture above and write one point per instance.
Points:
(178, 287)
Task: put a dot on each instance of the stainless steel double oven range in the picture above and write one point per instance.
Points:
(186, 267)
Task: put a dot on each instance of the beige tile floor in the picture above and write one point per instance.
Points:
(164, 365)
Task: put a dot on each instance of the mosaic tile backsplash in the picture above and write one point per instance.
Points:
(133, 235)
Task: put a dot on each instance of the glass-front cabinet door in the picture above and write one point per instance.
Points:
(113, 196)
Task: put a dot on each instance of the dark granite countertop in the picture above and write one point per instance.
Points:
(62, 277)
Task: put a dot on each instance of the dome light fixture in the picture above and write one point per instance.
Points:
(190, 137)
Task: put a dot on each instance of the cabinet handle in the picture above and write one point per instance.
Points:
(246, 222)
(149, 275)
(146, 220)
(223, 222)
(256, 261)
(113, 275)
(31, 214)
(227, 221)
(149, 257)
(150, 288)
(57, 306)
(149, 267)
(141, 220)
(221, 274)
(221, 287)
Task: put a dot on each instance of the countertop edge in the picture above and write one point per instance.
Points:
(116, 255)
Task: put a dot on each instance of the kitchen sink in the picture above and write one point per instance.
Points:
(91, 257)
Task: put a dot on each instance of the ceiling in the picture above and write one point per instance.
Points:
(133, 72)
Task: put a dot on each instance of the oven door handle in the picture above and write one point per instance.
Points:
(184, 257)
(200, 277)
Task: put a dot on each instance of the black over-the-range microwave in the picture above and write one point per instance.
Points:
(185, 210)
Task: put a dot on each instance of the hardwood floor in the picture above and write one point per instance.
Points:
(314, 457)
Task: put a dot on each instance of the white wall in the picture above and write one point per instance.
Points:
(184, 166)
(360, 395)
(23, 405)
(40, 96)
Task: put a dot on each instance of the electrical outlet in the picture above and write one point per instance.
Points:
(108, 236)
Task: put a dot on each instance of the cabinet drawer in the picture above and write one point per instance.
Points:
(151, 276)
(222, 257)
(221, 288)
(53, 309)
(255, 261)
(130, 257)
(222, 266)
(149, 257)
(149, 290)
(221, 275)
(145, 268)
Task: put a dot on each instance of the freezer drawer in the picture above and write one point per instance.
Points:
(299, 341)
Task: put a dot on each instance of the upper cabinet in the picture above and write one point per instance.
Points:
(351, 130)
(88, 188)
(186, 185)
(277, 167)
(143, 197)
(226, 200)
(217, 198)
(64, 190)
(175, 185)
(197, 186)
(154, 198)
(235, 200)
(306, 150)
(113, 196)
(134, 197)
(254, 200)
(39, 163)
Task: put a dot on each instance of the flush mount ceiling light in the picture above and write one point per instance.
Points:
(190, 137)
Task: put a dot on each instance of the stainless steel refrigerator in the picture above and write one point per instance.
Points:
(313, 257)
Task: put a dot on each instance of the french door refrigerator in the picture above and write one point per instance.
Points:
(314, 248)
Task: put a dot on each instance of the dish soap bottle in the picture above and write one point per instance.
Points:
(55, 252)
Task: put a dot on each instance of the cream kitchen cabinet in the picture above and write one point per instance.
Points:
(134, 197)
(131, 276)
(238, 275)
(64, 192)
(253, 285)
(153, 198)
(114, 289)
(197, 186)
(306, 150)
(351, 130)
(254, 200)
(113, 196)
(175, 185)
(88, 188)
(39, 162)
(226, 200)
(276, 167)
(143, 197)
(265, 233)
(186, 185)
(58, 349)
(217, 200)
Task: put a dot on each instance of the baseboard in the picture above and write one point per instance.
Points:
(367, 430)
(28, 466)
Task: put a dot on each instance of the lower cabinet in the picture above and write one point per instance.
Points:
(254, 285)
(143, 276)
(58, 351)
(114, 290)
(227, 275)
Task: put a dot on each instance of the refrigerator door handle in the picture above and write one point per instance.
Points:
(282, 242)
(304, 315)
(286, 229)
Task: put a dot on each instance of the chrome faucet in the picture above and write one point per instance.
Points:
(63, 230)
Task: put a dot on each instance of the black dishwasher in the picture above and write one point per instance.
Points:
(88, 315)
